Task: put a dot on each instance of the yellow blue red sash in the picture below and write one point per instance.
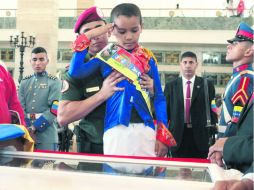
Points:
(125, 63)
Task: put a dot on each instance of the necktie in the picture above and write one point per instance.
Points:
(187, 103)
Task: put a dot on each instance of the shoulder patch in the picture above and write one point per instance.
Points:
(236, 113)
(27, 77)
(54, 107)
(52, 77)
(144, 57)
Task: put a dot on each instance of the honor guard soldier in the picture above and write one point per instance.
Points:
(39, 94)
(240, 87)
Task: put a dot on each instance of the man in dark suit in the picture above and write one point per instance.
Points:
(237, 150)
(186, 107)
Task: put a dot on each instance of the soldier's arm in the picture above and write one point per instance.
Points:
(99, 31)
(47, 117)
(70, 111)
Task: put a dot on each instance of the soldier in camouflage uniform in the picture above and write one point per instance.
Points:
(39, 94)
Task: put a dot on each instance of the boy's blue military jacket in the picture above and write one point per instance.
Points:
(120, 104)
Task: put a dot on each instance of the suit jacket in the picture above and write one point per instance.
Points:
(175, 109)
(238, 149)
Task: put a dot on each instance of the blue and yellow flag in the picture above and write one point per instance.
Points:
(12, 131)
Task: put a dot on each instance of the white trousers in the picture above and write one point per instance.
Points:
(134, 140)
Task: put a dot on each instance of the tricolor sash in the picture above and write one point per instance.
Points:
(126, 64)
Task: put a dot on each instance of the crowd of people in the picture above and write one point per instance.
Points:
(128, 113)
(236, 10)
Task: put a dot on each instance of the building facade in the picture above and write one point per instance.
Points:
(169, 30)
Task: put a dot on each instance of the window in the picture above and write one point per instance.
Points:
(218, 79)
(211, 58)
(223, 60)
(7, 55)
(172, 57)
(215, 58)
(64, 55)
(158, 56)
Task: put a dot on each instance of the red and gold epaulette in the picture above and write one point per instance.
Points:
(143, 55)
(164, 135)
(241, 93)
(81, 43)
(150, 53)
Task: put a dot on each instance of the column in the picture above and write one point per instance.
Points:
(39, 18)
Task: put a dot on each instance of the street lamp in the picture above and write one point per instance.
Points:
(21, 42)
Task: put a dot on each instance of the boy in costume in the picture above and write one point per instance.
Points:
(129, 126)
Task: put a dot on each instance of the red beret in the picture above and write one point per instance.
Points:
(89, 15)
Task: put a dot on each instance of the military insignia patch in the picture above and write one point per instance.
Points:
(93, 89)
(236, 113)
(65, 86)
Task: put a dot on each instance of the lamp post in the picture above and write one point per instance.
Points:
(21, 42)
